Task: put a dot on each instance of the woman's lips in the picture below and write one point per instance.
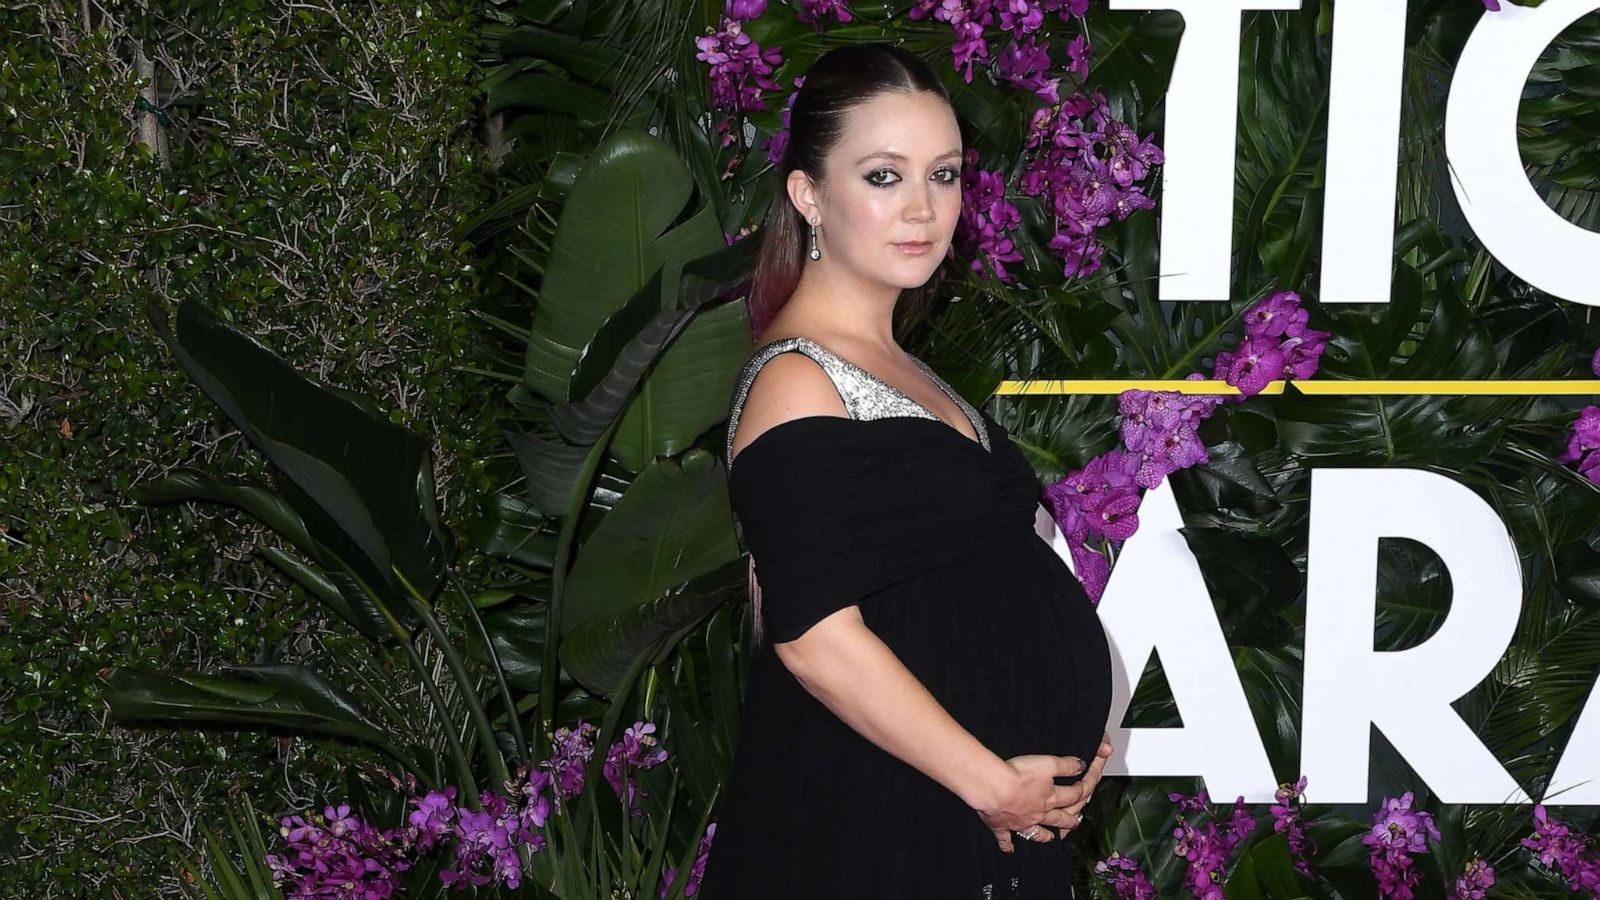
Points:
(916, 248)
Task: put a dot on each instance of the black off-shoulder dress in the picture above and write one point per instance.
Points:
(932, 535)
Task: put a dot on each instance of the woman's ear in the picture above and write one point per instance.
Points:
(803, 194)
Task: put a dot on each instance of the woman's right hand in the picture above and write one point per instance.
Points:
(1033, 798)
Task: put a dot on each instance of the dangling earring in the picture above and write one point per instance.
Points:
(815, 253)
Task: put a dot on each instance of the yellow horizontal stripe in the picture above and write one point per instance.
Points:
(1567, 387)
(1519, 388)
(1115, 386)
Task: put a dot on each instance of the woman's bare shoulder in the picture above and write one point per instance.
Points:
(788, 386)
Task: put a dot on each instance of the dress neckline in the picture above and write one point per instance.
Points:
(979, 428)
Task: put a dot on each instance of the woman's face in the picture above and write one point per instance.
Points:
(895, 176)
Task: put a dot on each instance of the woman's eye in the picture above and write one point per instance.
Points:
(950, 176)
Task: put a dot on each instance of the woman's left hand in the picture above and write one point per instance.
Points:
(1091, 776)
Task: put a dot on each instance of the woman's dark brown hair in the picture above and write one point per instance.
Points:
(843, 78)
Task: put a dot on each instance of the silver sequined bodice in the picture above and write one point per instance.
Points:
(865, 395)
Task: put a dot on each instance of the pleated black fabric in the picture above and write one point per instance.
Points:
(931, 535)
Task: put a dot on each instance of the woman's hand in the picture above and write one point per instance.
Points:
(1033, 798)
(1052, 805)
(1091, 778)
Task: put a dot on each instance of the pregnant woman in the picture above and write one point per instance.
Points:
(929, 684)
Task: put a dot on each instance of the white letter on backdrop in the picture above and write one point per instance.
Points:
(1405, 693)
(1202, 106)
(1577, 777)
(1369, 50)
(1157, 600)
(1480, 136)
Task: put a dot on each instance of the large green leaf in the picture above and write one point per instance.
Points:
(1132, 62)
(1251, 579)
(1271, 680)
(591, 61)
(510, 528)
(600, 651)
(1229, 479)
(363, 486)
(551, 469)
(1338, 841)
(1141, 819)
(517, 630)
(275, 695)
(551, 92)
(703, 688)
(338, 592)
(269, 509)
(1265, 870)
(687, 391)
(666, 360)
(1283, 111)
(1413, 594)
(673, 524)
(616, 229)
(357, 609)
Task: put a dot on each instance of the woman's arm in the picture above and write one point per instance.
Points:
(851, 671)
(855, 675)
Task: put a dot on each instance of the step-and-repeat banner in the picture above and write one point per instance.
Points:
(1156, 600)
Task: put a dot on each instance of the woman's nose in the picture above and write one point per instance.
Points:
(921, 209)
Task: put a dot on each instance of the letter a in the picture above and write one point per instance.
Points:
(1405, 693)
(1157, 600)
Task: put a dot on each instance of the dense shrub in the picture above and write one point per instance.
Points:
(317, 165)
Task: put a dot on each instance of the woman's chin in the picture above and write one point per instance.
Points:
(913, 274)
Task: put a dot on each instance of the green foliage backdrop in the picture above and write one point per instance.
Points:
(318, 164)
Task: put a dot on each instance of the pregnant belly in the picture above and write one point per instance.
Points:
(1009, 644)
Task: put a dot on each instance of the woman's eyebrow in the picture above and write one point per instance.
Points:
(889, 154)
